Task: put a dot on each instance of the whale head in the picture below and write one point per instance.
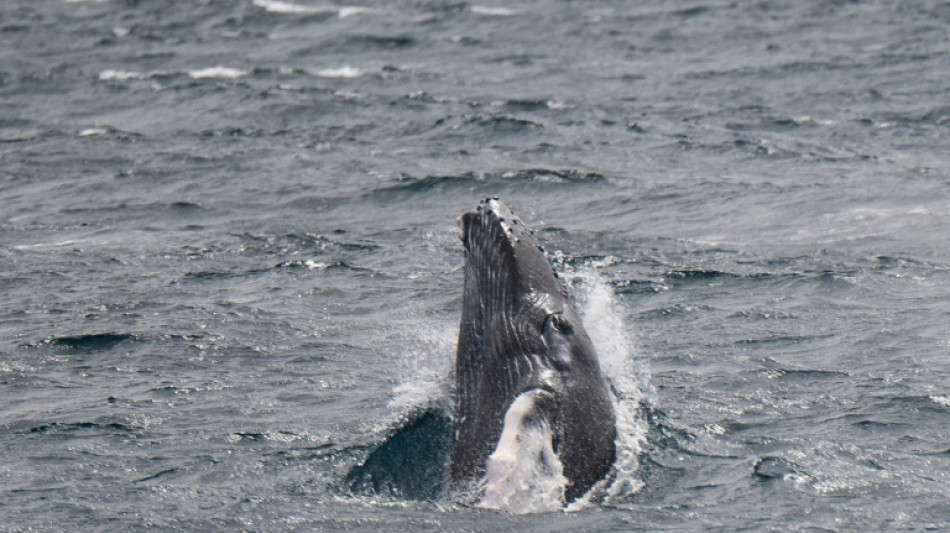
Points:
(520, 334)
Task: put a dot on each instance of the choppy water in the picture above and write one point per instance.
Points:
(230, 267)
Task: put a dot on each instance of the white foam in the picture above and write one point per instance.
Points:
(626, 373)
(493, 11)
(92, 132)
(288, 8)
(339, 72)
(943, 401)
(350, 11)
(217, 72)
(53, 244)
(276, 6)
(120, 75)
(15, 366)
(316, 265)
(524, 474)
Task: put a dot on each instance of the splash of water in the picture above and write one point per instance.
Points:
(627, 375)
(427, 362)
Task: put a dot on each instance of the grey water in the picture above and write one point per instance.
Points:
(229, 265)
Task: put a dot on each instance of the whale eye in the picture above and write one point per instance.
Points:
(557, 322)
(557, 337)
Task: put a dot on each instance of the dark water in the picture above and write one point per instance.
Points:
(221, 289)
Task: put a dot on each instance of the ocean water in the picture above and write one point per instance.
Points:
(231, 271)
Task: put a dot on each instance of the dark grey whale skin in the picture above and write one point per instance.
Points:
(520, 332)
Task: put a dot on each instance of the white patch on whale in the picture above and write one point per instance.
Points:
(524, 474)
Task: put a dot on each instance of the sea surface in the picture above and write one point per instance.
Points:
(230, 267)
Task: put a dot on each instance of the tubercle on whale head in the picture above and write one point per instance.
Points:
(491, 215)
(491, 218)
(492, 235)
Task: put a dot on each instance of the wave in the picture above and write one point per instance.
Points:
(411, 184)
(89, 342)
(83, 428)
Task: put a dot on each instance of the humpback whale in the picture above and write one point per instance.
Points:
(529, 394)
